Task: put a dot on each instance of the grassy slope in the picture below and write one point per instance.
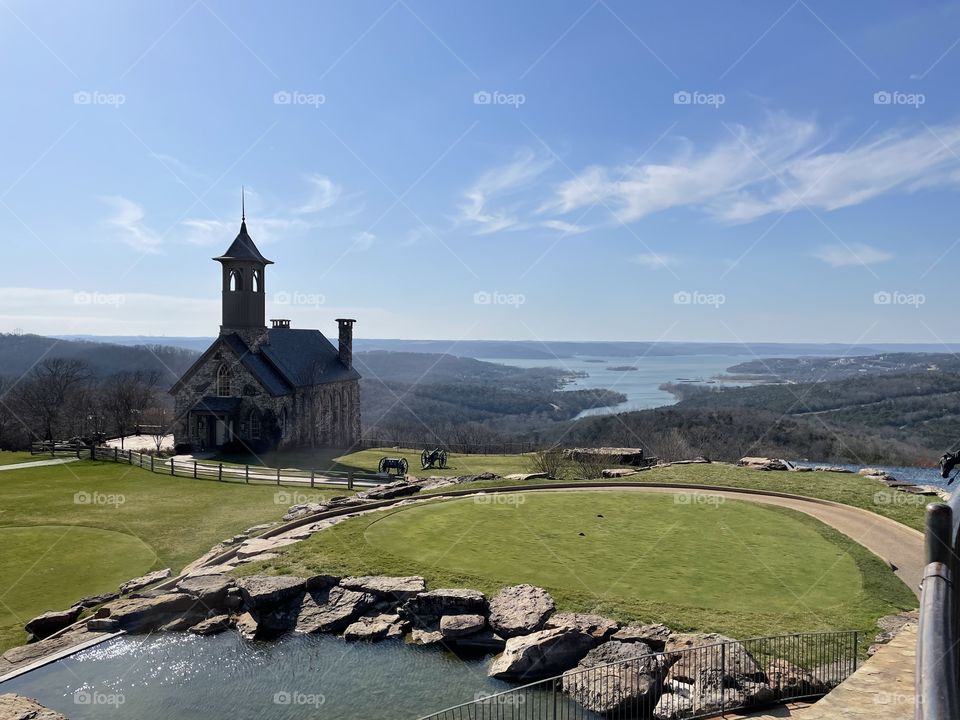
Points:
(737, 568)
(10, 458)
(368, 460)
(162, 522)
(838, 487)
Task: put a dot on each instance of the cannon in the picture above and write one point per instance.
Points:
(398, 465)
(431, 458)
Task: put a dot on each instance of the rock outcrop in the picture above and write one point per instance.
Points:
(618, 679)
(520, 610)
(43, 626)
(541, 654)
(425, 610)
(398, 589)
(596, 626)
(144, 581)
(18, 707)
(655, 636)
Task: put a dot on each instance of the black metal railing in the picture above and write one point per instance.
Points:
(693, 682)
(937, 679)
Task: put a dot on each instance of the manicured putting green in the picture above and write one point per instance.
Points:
(50, 567)
(732, 556)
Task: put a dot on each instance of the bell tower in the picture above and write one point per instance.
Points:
(243, 297)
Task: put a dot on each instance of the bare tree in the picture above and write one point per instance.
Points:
(126, 395)
(49, 391)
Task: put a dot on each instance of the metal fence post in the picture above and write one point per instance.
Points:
(246, 474)
(171, 467)
(278, 476)
(194, 469)
(151, 463)
(350, 480)
(220, 472)
(723, 674)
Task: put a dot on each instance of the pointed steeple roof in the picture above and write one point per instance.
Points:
(243, 247)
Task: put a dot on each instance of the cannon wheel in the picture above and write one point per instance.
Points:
(424, 460)
(404, 465)
(382, 467)
(443, 458)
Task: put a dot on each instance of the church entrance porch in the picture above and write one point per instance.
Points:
(213, 421)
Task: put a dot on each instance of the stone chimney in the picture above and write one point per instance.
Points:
(346, 341)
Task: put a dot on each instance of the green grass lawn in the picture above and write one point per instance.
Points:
(839, 487)
(737, 568)
(58, 548)
(368, 461)
(8, 457)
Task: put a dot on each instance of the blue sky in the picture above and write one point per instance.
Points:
(736, 171)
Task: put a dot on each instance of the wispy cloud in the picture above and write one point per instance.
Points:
(855, 254)
(126, 222)
(784, 164)
(363, 240)
(324, 194)
(655, 261)
(500, 185)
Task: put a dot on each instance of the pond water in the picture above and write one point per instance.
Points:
(177, 675)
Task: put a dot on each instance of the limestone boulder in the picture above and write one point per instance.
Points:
(618, 679)
(425, 610)
(246, 625)
(144, 581)
(541, 654)
(137, 615)
(261, 592)
(420, 636)
(331, 610)
(789, 680)
(520, 609)
(455, 626)
(398, 589)
(392, 490)
(212, 625)
(596, 626)
(210, 590)
(693, 654)
(655, 635)
(18, 707)
(105, 624)
(376, 627)
(94, 600)
(43, 626)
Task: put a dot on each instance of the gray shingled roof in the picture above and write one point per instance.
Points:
(243, 248)
(271, 379)
(305, 357)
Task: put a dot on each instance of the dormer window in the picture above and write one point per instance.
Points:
(223, 381)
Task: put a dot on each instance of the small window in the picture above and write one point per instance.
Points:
(255, 284)
(254, 425)
(223, 381)
(284, 425)
(236, 281)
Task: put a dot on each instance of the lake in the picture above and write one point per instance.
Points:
(641, 386)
